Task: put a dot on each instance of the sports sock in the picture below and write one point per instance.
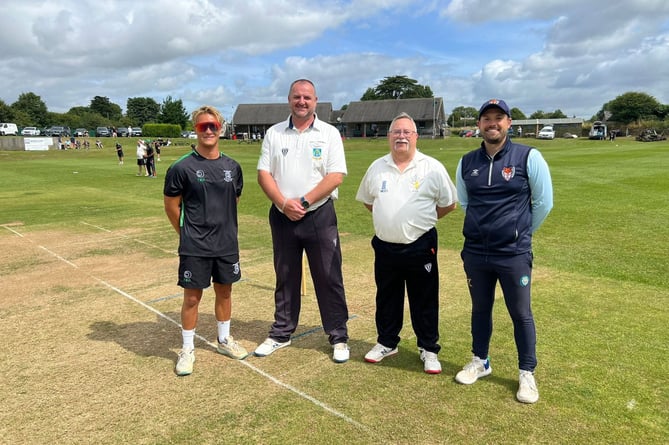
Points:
(188, 339)
(223, 329)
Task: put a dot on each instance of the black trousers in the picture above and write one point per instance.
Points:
(413, 266)
(318, 236)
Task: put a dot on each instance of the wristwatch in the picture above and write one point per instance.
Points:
(305, 203)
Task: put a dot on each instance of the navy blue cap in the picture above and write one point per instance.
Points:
(497, 103)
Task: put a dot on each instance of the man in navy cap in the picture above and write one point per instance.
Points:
(506, 192)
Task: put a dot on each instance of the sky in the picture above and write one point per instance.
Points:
(536, 55)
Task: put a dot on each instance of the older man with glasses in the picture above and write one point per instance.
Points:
(407, 192)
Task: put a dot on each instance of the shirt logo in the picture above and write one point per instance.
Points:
(508, 173)
(317, 153)
(475, 172)
(200, 175)
(384, 186)
(284, 151)
(227, 175)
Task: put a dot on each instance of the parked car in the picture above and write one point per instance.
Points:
(136, 131)
(192, 135)
(546, 132)
(7, 129)
(122, 132)
(184, 134)
(79, 132)
(30, 131)
(58, 130)
(102, 132)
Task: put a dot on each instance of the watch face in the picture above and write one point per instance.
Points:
(305, 203)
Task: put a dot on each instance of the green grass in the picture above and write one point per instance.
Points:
(600, 296)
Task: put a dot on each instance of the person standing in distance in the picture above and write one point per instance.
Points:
(407, 192)
(506, 192)
(202, 190)
(301, 165)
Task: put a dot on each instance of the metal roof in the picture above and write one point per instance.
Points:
(421, 109)
(270, 114)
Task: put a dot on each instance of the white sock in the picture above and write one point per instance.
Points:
(223, 329)
(188, 339)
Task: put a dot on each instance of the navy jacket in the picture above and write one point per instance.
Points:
(498, 219)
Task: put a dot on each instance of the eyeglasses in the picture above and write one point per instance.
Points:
(402, 132)
(204, 126)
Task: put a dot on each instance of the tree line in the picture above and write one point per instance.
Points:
(30, 110)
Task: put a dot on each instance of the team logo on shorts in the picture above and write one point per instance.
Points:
(524, 280)
(227, 175)
(187, 276)
(235, 268)
(508, 173)
(428, 267)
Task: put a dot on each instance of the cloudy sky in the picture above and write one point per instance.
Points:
(538, 55)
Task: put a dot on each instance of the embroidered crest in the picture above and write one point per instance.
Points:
(524, 280)
(428, 267)
(475, 172)
(508, 173)
(317, 152)
(284, 151)
(384, 186)
(227, 175)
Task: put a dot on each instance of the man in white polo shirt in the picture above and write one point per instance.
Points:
(301, 165)
(407, 192)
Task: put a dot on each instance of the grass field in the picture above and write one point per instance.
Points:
(90, 311)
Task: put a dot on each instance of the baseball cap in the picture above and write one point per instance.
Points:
(498, 103)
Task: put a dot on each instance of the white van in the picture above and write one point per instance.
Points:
(8, 129)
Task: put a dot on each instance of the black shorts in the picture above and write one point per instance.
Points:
(197, 272)
(140, 161)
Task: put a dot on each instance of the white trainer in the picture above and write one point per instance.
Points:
(527, 388)
(431, 363)
(185, 361)
(268, 346)
(341, 353)
(378, 353)
(473, 371)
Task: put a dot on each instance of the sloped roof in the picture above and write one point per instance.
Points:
(386, 110)
(270, 114)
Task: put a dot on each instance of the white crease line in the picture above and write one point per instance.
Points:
(243, 362)
(13, 231)
(153, 246)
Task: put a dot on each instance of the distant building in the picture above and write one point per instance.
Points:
(360, 119)
(561, 126)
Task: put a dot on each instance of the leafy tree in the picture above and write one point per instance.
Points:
(539, 114)
(141, 110)
(462, 116)
(557, 114)
(105, 108)
(32, 107)
(397, 87)
(516, 114)
(634, 106)
(6, 112)
(173, 112)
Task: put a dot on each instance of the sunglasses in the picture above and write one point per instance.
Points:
(204, 126)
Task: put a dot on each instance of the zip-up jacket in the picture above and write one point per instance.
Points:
(498, 213)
